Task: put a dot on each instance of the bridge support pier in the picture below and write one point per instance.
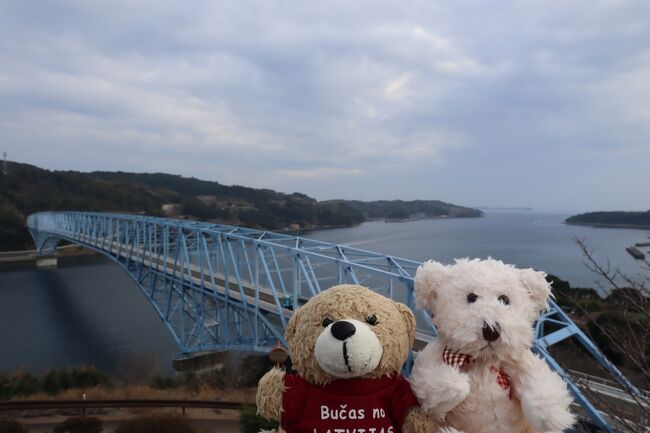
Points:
(45, 262)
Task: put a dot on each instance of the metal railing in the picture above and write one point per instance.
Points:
(22, 405)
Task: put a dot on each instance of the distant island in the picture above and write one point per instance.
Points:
(612, 219)
(400, 210)
(26, 189)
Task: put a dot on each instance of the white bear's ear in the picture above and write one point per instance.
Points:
(428, 279)
(538, 288)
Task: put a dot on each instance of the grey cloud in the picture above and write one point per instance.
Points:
(355, 99)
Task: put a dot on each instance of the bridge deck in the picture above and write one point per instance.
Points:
(217, 281)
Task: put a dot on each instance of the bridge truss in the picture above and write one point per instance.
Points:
(219, 287)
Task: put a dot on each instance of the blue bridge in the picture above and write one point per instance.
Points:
(219, 287)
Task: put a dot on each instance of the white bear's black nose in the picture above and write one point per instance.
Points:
(491, 333)
(342, 329)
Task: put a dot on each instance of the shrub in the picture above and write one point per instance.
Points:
(79, 425)
(252, 368)
(12, 426)
(162, 382)
(56, 381)
(251, 422)
(5, 387)
(163, 423)
(13, 234)
(88, 377)
(23, 384)
(615, 332)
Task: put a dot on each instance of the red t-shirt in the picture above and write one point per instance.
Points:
(346, 405)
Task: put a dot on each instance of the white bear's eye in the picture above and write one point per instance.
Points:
(471, 298)
(504, 299)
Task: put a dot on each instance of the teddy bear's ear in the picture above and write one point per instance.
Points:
(538, 288)
(409, 320)
(292, 326)
(428, 280)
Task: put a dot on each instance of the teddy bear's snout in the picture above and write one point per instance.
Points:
(342, 330)
(348, 348)
(491, 333)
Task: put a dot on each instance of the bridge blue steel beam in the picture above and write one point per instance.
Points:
(219, 287)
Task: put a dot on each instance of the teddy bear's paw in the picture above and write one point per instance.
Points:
(450, 391)
(269, 394)
(546, 416)
(438, 387)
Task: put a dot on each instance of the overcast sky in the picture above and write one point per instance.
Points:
(500, 103)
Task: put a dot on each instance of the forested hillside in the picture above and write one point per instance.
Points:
(614, 219)
(27, 189)
(402, 210)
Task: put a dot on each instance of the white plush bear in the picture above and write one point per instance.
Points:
(479, 375)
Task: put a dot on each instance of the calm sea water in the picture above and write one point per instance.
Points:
(527, 239)
(91, 314)
(95, 314)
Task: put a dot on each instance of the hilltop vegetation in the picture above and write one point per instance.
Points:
(402, 210)
(27, 189)
(612, 219)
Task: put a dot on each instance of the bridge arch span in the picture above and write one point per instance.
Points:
(199, 318)
(219, 287)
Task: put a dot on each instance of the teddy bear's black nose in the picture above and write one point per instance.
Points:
(490, 333)
(342, 329)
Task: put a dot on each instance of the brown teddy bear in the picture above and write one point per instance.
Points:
(347, 345)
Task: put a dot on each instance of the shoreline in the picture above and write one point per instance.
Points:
(608, 225)
(66, 255)
(378, 219)
(411, 219)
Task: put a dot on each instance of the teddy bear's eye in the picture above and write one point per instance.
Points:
(471, 298)
(371, 320)
(504, 299)
(327, 322)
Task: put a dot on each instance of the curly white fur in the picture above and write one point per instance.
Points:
(465, 298)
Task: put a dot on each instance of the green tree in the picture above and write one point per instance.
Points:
(13, 234)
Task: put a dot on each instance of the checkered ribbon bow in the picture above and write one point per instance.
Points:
(455, 359)
(458, 360)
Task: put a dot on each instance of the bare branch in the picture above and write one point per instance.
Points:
(623, 325)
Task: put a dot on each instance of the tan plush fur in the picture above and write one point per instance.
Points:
(395, 330)
(269, 394)
(417, 422)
